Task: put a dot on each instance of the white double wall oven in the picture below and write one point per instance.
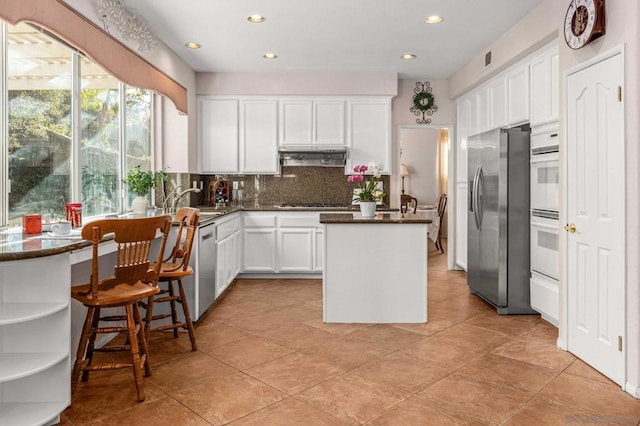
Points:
(545, 207)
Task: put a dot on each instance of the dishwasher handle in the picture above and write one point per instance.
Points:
(206, 236)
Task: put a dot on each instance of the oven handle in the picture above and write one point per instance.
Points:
(545, 225)
(540, 158)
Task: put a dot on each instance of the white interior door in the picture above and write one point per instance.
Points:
(595, 192)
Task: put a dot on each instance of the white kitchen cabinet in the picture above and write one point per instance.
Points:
(369, 132)
(296, 122)
(461, 182)
(35, 385)
(545, 297)
(259, 136)
(318, 244)
(297, 245)
(497, 102)
(259, 242)
(228, 254)
(544, 86)
(312, 122)
(472, 110)
(482, 103)
(518, 94)
(218, 135)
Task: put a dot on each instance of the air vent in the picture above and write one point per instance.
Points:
(487, 59)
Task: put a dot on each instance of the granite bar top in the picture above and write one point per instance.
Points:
(396, 217)
(14, 245)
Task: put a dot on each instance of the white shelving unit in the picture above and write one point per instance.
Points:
(34, 340)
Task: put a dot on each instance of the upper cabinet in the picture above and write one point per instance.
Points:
(518, 94)
(218, 135)
(497, 102)
(369, 132)
(544, 87)
(241, 135)
(259, 136)
(238, 135)
(312, 121)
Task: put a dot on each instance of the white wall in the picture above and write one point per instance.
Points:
(535, 30)
(419, 148)
(297, 83)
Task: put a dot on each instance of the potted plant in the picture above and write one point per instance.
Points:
(370, 191)
(141, 183)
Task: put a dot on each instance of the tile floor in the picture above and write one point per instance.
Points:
(266, 358)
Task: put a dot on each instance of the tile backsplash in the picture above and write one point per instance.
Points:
(294, 185)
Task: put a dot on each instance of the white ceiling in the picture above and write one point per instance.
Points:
(330, 35)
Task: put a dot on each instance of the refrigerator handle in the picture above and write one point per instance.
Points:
(479, 186)
(474, 197)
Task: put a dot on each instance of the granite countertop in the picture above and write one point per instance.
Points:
(14, 245)
(396, 217)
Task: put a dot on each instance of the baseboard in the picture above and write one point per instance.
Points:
(632, 390)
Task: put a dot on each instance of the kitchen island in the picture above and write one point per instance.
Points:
(375, 269)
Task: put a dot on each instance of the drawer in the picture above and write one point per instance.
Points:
(227, 228)
(301, 220)
(253, 220)
(545, 297)
(544, 139)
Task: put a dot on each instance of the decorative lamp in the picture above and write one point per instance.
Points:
(404, 171)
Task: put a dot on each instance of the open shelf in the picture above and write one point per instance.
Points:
(17, 365)
(33, 413)
(14, 313)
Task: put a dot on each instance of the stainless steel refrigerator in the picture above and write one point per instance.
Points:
(498, 219)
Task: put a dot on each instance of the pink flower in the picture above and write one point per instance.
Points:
(363, 169)
(355, 178)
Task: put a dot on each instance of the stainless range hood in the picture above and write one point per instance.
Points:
(313, 155)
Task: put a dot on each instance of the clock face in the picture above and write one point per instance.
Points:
(580, 22)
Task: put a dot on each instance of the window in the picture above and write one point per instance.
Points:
(64, 148)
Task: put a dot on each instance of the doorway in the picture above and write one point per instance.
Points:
(425, 152)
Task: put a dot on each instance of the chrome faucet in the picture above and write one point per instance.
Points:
(176, 198)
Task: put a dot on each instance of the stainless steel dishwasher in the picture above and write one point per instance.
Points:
(206, 268)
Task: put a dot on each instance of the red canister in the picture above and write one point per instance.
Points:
(74, 214)
(32, 223)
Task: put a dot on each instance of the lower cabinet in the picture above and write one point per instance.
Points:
(35, 384)
(228, 258)
(286, 242)
(545, 297)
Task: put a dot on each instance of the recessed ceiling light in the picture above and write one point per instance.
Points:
(435, 19)
(193, 45)
(269, 56)
(256, 19)
(407, 56)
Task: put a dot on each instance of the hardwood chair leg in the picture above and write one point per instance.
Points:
(135, 353)
(187, 316)
(78, 366)
(142, 341)
(92, 342)
(174, 312)
(148, 317)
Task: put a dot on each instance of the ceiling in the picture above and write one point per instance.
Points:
(330, 35)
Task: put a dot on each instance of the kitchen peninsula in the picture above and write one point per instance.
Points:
(375, 269)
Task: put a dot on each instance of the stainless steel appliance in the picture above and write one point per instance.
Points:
(206, 268)
(498, 219)
(313, 155)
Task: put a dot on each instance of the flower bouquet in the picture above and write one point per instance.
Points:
(370, 187)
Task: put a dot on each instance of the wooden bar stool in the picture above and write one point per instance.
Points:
(174, 268)
(132, 281)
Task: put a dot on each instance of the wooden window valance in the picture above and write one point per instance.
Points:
(101, 47)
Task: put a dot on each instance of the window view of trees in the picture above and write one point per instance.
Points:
(40, 129)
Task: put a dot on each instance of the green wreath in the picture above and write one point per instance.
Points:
(417, 101)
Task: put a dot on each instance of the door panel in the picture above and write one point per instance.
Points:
(595, 258)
